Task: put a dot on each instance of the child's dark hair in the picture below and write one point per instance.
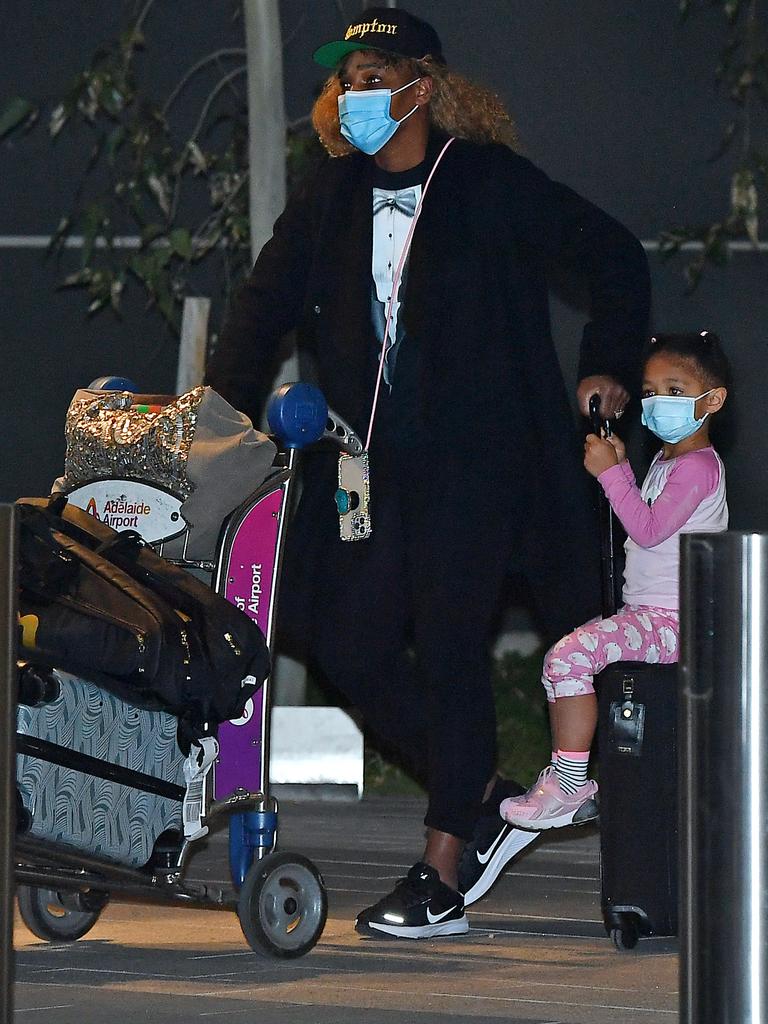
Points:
(702, 349)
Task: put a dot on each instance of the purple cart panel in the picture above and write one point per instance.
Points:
(250, 582)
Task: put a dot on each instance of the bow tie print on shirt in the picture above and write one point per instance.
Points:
(404, 201)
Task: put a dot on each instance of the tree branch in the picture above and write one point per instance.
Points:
(217, 215)
(239, 52)
(222, 84)
(145, 11)
(300, 122)
(295, 31)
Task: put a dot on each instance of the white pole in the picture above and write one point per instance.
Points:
(266, 131)
(266, 155)
(193, 344)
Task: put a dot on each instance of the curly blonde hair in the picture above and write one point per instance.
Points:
(458, 107)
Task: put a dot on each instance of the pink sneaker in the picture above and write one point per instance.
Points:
(520, 801)
(546, 805)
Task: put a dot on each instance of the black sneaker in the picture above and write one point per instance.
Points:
(493, 845)
(419, 907)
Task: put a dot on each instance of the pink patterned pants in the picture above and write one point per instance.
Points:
(634, 633)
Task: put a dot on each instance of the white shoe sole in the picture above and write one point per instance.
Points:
(459, 926)
(537, 825)
(514, 843)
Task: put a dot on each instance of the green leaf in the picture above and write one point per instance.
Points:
(115, 139)
(15, 112)
(181, 243)
(150, 232)
(98, 303)
(139, 265)
(197, 157)
(77, 280)
(160, 189)
(59, 235)
(240, 228)
(670, 243)
(116, 291)
(161, 257)
(59, 117)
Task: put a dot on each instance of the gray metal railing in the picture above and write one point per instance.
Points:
(724, 779)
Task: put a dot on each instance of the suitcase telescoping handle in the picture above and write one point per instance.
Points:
(602, 428)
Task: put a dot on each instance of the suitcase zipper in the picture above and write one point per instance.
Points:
(142, 643)
(114, 620)
(185, 644)
(231, 641)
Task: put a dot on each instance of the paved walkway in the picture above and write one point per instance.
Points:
(536, 951)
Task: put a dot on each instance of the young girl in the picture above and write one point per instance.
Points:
(685, 383)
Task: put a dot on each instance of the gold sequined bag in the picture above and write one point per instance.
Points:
(196, 445)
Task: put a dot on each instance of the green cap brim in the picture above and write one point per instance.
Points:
(330, 55)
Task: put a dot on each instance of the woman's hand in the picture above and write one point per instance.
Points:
(613, 395)
(601, 454)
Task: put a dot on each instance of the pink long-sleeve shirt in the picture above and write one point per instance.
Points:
(682, 495)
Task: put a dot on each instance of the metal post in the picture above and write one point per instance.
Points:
(193, 344)
(8, 576)
(724, 779)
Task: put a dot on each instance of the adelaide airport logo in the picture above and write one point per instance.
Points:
(119, 513)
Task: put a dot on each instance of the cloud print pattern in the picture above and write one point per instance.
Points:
(645, 634)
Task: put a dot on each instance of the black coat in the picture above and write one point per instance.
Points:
(492, 411)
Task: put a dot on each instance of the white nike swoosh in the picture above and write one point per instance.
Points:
(434, 918)
(485, 857)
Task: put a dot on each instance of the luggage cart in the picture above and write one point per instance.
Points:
(279, 897)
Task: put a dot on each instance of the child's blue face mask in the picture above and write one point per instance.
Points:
(366, 120)
(672, 417)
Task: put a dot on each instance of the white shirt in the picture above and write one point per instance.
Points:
(390, 228)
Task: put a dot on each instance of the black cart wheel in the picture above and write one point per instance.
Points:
(625, 936)
(59, 916)
(282, 905)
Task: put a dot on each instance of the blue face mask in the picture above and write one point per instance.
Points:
(365, 118)
(672, 417)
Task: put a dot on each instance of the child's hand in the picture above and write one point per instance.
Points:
(599, 455)
(619, 447)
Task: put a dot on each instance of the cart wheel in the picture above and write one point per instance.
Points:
(625, 937)
(59, 917)
(282, 905)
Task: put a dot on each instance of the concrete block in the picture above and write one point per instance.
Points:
(315, 746)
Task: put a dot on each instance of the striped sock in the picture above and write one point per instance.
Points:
(572, 769)
(553, 759)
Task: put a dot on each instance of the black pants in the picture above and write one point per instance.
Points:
(402, 628)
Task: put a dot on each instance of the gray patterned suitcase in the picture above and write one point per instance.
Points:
(68, 782)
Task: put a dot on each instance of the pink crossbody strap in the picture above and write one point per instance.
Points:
(396, 287)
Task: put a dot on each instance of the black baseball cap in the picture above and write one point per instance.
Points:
(383, 28)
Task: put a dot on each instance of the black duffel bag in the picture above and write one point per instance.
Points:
(105, 605)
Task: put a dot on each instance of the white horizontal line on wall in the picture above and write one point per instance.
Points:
(72, 242)
(653, 245)
(133, 242)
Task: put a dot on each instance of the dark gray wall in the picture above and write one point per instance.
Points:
(614, 98)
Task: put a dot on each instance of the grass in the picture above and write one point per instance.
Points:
(523, 729)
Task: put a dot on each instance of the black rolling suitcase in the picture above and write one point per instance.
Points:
(637, 746)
